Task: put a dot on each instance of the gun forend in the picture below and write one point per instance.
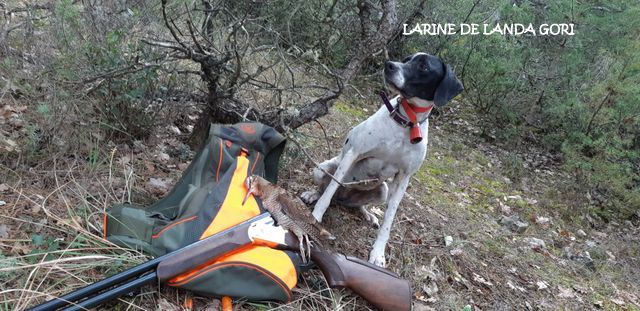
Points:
(209, 249)
(380, 287)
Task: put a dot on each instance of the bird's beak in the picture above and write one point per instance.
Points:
(246, 197)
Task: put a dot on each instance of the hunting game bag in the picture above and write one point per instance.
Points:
(206, 200)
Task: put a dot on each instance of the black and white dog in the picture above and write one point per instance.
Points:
(385, 150)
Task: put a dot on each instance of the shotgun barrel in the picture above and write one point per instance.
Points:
(159, 269)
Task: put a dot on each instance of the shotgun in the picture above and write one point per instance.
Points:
(383, 289)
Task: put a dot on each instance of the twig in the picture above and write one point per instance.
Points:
(364, 181)
(326, 138)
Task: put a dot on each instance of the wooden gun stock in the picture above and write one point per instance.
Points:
(382, 288)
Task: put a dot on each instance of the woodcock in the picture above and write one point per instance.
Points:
(289, 212)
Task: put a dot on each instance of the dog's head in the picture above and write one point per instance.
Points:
(422, 76)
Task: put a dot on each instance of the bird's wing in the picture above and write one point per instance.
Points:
(296, 209)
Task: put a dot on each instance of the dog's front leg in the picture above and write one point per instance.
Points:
(377, 252)
(345, 165)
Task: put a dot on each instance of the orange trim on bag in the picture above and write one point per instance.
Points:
(155, 236)
(219, 164)
(255, 161)
(227, 303)
(232, 212)
(104, 225)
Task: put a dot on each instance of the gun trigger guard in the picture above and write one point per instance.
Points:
(266, 230)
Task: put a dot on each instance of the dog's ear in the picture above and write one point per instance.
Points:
(448, 88)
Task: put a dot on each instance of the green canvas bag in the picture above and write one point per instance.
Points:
(207, 200)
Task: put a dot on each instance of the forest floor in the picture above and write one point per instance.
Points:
(482, 227)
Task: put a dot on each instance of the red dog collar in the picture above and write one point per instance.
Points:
(411, 111)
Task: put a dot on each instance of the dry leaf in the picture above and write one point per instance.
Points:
(481, 280)
(165, 305)
(158, 186)
(564, 292)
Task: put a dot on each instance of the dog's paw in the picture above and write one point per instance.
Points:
(310, 197)
(370, 218)
(377, 259)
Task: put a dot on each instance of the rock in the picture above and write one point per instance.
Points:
(611, 256)
(158, 186)
(418, 306)
(163, 157)
(165, 305)
(542, 285)
(581, 233)
(515, 287)
(617, 301)
(536, 243)
(566, 252)
(564, 292)
(456, 252)
(448, 240)
(600, 235)
(542, 220)
(580, 289)
(504, 208)
(599, 304)
(431, 288)
(175, 130)
(429, 273)
(584, 258)
(590, 243)
(514, 223)
(2, 203)
(4, 232)
(481, 280)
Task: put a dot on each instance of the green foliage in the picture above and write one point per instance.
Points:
(578, 95)
(107, 62)
(513, 167)
(322, 27)
(43, 245)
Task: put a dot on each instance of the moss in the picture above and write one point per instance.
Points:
(429, 178)
(486, 190)
(480, 158)
(348, 108)
(495, 247)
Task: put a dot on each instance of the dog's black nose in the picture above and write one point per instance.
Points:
(389, 66)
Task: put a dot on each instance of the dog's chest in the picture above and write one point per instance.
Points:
(382, 136)
(385, 148)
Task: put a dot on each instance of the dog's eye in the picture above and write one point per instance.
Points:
(424, 67)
